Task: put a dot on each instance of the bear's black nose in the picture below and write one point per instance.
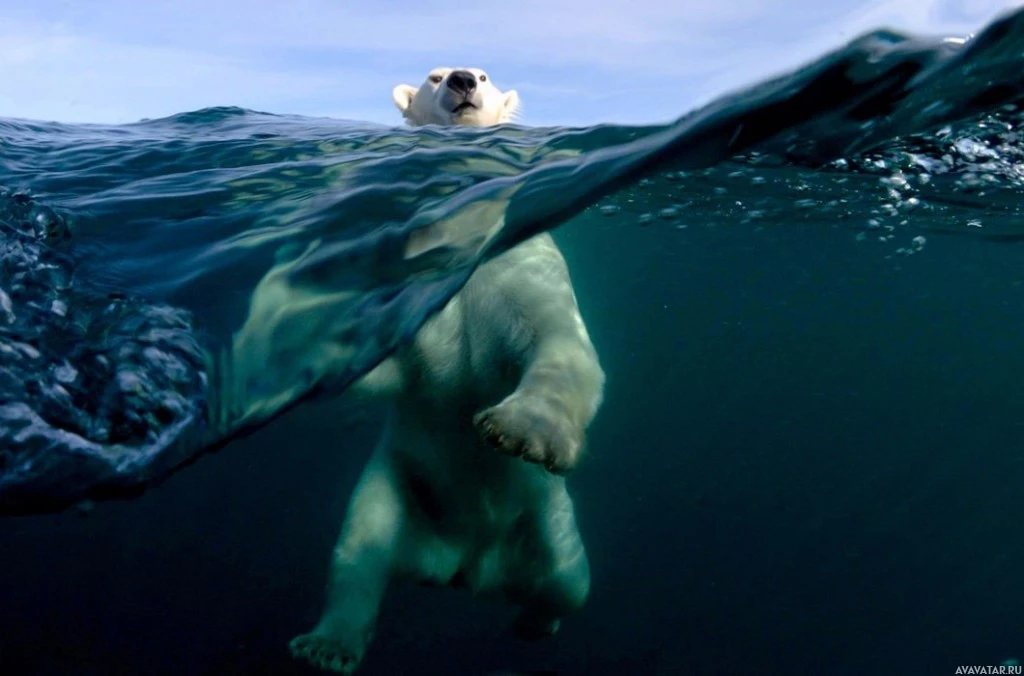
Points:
(461, 81)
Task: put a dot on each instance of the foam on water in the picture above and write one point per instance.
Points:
(174, 283)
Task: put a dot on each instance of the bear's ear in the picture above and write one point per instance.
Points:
(402, 94)
(510, 105)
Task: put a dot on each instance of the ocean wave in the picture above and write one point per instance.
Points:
(169, 285)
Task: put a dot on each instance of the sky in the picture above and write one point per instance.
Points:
(573, 62)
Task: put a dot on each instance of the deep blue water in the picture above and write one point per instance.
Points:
(807, 297)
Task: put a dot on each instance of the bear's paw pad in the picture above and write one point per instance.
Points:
(326, 652)
(532, 430)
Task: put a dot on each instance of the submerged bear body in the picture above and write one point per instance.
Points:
(488, 409)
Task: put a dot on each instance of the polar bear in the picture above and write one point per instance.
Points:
(464, 96)
(487, 411)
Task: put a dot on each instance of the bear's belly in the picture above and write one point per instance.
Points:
(461, 486)
(446, 563)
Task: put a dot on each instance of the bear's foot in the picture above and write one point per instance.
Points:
(533, 429)
(329, 650)
(531, 626)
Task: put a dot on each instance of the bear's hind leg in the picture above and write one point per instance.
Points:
(553, 580)
(360, 568)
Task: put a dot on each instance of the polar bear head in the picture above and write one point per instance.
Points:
(456, 96)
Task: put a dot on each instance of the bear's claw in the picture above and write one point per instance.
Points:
(527, 429)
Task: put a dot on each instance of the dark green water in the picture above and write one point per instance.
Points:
(808, 299)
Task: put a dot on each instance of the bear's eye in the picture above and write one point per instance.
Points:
(436, 79)
(483, 77)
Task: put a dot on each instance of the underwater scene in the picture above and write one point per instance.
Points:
(804, 449)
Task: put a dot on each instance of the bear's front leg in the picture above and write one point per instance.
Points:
(537, 425)
(360, 568)
(561, 384)
(561, 387)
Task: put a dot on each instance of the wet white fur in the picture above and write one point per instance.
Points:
(432, 102)
(438, 502)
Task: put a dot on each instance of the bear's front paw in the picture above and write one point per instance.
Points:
(329, 650)
(532, 429)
